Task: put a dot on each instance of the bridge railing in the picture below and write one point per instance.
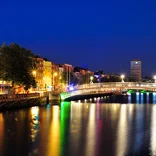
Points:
(117, 85)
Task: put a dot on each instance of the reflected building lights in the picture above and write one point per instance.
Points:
(1, 131)
(122, 132)
(154, 98)
(147, 97)
(137, 97)
(142, 98)
(129, 98)
(131, 106)
(153, 131)
(139, 125)
(64, 124)
(74, 125)
(54, 133)
(34, 111)
(34, 123)
(91, 131)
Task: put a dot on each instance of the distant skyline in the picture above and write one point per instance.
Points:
(99, 35)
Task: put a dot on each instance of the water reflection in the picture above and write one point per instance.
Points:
(35, 122)
(142, 98)
(54, 132)
(139, 118)
(1, 130)
(147, 98)
(64, 128)
(91, 129)
(81, 129)
(137, 97)
(129, 97)
(154, 98)
(122, 136)
(153, 131)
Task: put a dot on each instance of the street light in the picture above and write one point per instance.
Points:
(91, 79)
(122, 78)
(55, 74)
(154, 77)
(34, 72)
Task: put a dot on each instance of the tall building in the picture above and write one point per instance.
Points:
(136, 70)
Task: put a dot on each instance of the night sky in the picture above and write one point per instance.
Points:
(99, 35)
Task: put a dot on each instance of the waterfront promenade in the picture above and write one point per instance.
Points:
(22, 100)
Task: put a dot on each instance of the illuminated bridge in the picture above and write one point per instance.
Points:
(107, 88)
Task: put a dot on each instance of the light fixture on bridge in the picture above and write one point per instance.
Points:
(91, 79)
(154, 77)
(122, 78)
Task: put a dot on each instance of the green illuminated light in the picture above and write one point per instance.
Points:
(63, 96)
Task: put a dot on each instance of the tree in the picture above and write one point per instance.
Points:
(16, 65)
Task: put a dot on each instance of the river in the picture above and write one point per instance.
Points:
(83, 128)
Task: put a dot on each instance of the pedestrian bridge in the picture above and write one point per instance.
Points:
(107, 88)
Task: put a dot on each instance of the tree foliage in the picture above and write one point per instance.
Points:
(16, 65)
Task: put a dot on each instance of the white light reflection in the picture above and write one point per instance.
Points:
(122, 131)
(91, 130)
(147, 97)
(153, 131)
(142, 98)
(137, 97)
(34, 111)
(129, 98)
(139, 126)
(131, 106)
(154, 98)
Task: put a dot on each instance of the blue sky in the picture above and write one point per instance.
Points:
(95, 34)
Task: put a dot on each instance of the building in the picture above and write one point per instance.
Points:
(38, 74)
(136, 70)
(83, 75)
(43, 74)
(67, 69)
(55, 75)
(47, 72)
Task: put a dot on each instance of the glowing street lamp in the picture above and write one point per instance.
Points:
(122, 78)
(91, 79)
(34, 72)
(55, 74)
(154, 77)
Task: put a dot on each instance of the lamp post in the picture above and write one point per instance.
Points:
(122, 78)
(91, 79)
(154, 77)
(34, 73)
(55, 74)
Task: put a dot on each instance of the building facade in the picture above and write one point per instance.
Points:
(136, 70)
(43, 74)
(67, 69)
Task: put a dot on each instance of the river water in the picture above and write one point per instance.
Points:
(83, 128)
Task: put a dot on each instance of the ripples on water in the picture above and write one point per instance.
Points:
(88, 128)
